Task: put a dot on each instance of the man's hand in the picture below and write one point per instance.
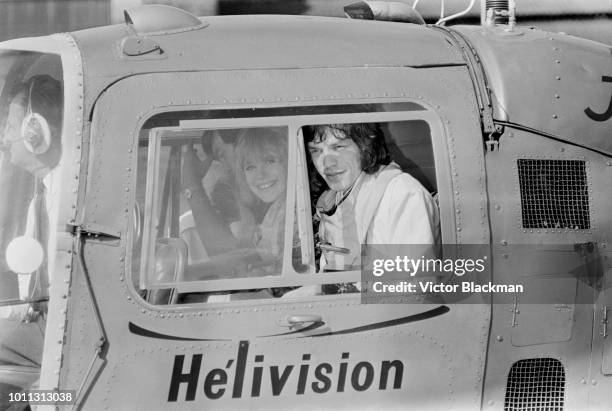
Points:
(194, 169)
(32, 314)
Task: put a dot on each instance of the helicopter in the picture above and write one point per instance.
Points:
(111, 298)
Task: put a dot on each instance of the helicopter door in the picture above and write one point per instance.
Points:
(208, 211)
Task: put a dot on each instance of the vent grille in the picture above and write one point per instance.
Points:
(554, 194)
(536, 384)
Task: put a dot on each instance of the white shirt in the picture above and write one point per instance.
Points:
(406, 214)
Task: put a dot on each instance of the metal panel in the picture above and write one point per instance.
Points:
(603, 314)
(265, 42)
(567, 78)
(560, 331)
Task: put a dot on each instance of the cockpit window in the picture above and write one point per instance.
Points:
(229, 213)
(31, 111)
(219, 202)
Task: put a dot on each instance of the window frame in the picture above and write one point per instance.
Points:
(298, 202)
(67, 197)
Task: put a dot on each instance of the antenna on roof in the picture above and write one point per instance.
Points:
(498, 12)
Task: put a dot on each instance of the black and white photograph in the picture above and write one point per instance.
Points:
(306, 205)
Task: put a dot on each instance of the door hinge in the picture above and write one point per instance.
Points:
(492, 141)
(95, 233)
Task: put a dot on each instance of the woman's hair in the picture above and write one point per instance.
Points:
(257, 142)
(368, 136)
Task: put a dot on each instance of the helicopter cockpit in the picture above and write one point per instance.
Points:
(31, 117)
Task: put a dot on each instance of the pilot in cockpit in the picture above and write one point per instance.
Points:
(30, 151)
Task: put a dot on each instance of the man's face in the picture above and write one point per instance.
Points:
(337, 159)
(12, 128)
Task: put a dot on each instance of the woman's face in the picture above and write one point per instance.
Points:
(266, 176)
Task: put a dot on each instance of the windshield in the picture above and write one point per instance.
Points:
(31, 110)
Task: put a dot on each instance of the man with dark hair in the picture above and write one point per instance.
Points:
(30, 149)
(369, 199)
